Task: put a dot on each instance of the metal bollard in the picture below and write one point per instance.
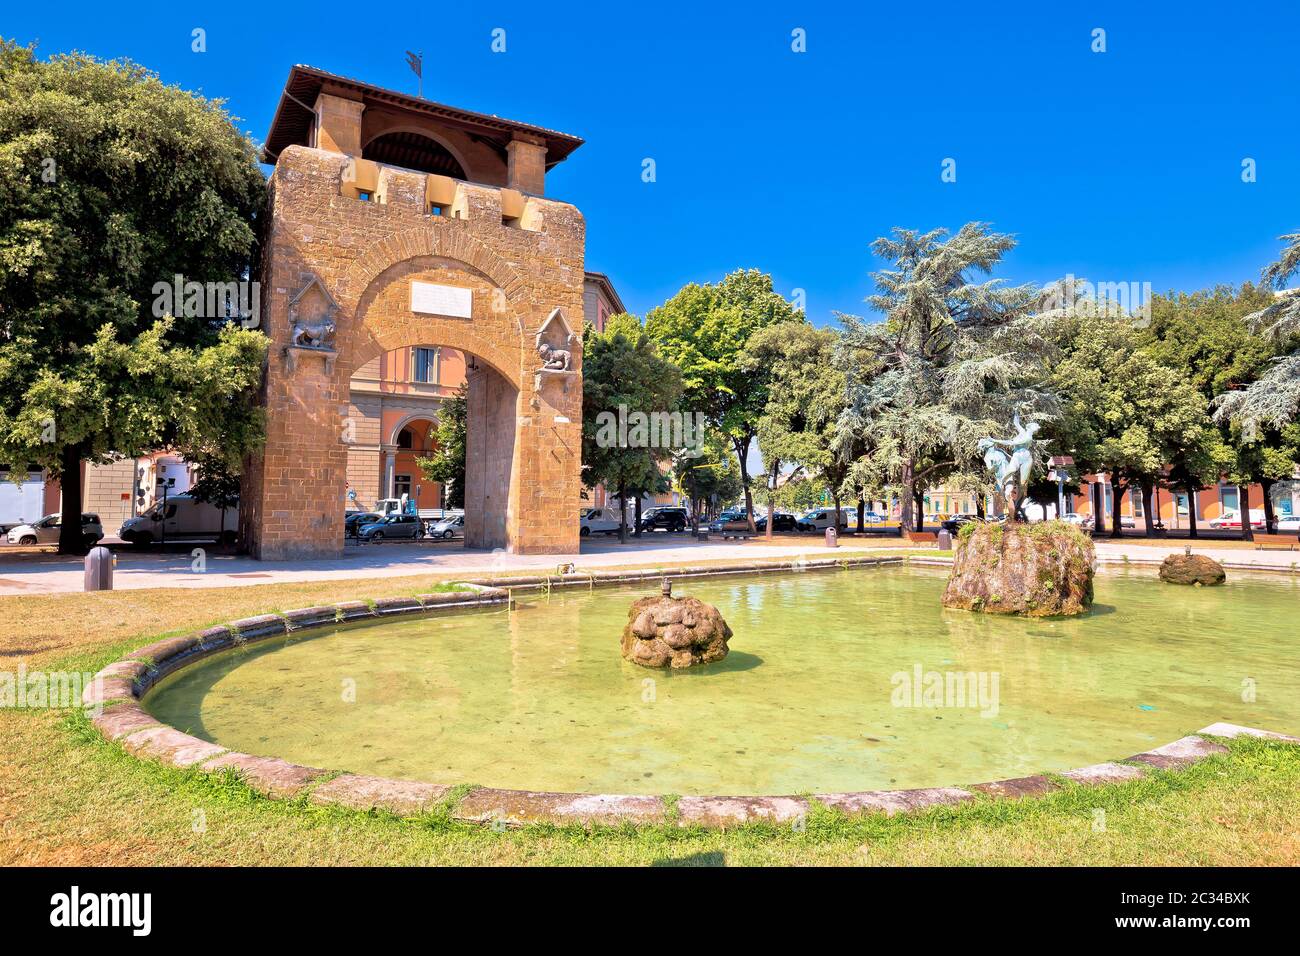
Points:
(832, 538)
(99, 569)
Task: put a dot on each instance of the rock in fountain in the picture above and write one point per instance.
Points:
(1039, 570)
(674, 632)
(1194, 569)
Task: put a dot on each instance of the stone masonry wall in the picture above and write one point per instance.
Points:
(366, 255)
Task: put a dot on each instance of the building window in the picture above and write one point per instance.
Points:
(365, 195)
(438, 209)
(405, 439)
(1227, 498)
(1136, 495)
(425, 366)
(401, 485)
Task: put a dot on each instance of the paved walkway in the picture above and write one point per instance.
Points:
(48, 573)
(1241, 557)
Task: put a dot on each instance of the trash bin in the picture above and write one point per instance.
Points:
(832, 538)
(99, 569)
(945, 539)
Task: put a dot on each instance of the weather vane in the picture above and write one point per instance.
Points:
(416, 62)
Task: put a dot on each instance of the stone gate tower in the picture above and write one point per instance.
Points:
(394, 221)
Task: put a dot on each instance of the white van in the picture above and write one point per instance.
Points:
(599, 521)
(182, 518)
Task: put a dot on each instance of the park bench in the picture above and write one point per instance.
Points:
(922, 537)
(1276, 542)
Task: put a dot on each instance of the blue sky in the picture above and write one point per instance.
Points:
(1122, 166)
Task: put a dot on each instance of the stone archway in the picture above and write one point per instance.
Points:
(346, 280)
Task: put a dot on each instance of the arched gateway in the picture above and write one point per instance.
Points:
(362, 258)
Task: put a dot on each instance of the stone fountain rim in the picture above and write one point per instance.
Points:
(119, 687)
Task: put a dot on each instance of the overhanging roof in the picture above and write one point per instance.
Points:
(293, 116)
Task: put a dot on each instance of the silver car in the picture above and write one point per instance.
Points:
(46, 531)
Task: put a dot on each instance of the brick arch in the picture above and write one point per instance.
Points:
(445, 240)
(364, 338)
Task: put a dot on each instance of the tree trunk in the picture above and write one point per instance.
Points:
(979, 507)
(1267, 485)
(862, 514)
(70, 540)
(1191, 510)
(835, 498)
(742, 452)
(905, 498)
(636, 532)
(1243, 509)
(1116, 501)
(1146, 510)
(918, 497)
(1098, 509)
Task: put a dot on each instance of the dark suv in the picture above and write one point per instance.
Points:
(669, 519)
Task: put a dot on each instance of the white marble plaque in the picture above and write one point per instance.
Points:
(441, 300)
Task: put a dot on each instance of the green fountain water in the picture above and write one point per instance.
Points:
(812, 697)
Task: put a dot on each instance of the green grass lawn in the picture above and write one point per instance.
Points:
(69, 797)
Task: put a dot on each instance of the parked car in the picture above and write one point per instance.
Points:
(729, 522)
(953, 525)
(819, 519)
(392, 526)
(1082, 522)
(448, 528)
(783, 521)
(667, 518)
(182, 518)
(1288, 523)
(46, 531)
(1231, 519)
(598, 521)
(355, 519)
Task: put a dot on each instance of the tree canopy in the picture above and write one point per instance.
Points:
(623, 375)
(112, 183)
(949, 362)
(705, 330)
(447, 463)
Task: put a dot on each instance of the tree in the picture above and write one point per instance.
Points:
(1208, 335)
(447, 463)
(708, 478)
(949, 363)
(704, 330)
(1123, 412)
(805, 398)
(114, 183)
(1274, 399)
(624, 382)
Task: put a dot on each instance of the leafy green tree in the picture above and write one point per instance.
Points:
(623, 375)
(805, 397)
(704, 330)
(1209, 336)
(447, 463)
(949, 363)
(707, 479)
(113, 182)
(1123, 412)
(1273, 400)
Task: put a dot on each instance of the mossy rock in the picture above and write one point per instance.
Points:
(674, 632)
(1034, 570)
(1194, 569)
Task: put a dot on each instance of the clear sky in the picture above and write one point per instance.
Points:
(1122, 166)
